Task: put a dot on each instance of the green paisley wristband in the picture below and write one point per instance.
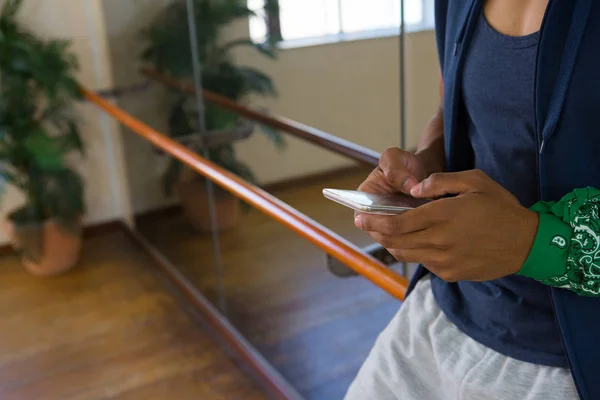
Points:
(548, 255)
(566, 250)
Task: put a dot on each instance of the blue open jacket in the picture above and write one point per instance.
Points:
(567, 107)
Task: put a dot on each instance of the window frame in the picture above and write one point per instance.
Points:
(274, 31)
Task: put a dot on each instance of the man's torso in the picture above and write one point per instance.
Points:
(512, 315)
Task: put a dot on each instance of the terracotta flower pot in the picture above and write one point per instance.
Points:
(195, 204)
(48, 248)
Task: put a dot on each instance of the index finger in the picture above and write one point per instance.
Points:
(376, 183)
(396, 165)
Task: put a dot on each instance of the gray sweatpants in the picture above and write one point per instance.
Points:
(421, 355)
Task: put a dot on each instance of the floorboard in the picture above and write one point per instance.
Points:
(107, 330)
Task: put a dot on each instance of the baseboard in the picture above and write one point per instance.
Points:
(6, 250)
(170, 211)
(265, 374)
(89, 231)
(102, 228)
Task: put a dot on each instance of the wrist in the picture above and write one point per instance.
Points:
(528, 223)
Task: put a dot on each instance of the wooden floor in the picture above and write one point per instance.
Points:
(316, 329)
(107, 330)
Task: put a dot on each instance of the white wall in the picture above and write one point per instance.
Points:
(82, 22)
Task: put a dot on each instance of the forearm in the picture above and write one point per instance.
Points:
(431, 146)
(566, 251)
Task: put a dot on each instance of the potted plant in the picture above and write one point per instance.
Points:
(169, 51)
(37, 131)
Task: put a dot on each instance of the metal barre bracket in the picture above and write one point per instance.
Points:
(375, 250)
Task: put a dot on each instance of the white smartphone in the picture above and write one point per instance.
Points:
(382, 204)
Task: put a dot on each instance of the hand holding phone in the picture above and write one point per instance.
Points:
(369, 203)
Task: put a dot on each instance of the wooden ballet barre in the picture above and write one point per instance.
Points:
(309, 229)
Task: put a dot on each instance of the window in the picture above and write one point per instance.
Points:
(305, 19)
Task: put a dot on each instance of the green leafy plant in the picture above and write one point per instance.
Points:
(37, 129)
(169, 51)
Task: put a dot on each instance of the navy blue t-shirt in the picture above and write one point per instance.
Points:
(513, 315)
